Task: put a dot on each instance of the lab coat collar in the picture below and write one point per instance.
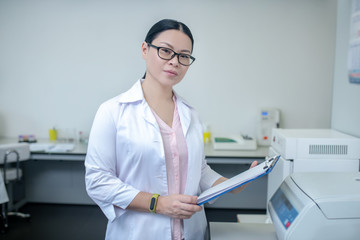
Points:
(135, 94)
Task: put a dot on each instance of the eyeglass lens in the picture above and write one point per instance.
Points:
(167, 54)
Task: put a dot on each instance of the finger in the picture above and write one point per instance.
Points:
(239, 189)
(187, 213)
(188, 199)
(187, 203)
(191, 208)
(193, 199)
(188, 208)
(182, 213)
(253, 164)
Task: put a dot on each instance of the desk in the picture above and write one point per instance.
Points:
(60, 177)
(236, 231)
(55, 177)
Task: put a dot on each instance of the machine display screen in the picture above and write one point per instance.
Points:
(283, 208)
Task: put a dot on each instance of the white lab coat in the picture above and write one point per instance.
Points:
(126, 155)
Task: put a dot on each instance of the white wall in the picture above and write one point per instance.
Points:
(346, 96)
(61, 58)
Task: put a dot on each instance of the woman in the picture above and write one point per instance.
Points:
(146, 152)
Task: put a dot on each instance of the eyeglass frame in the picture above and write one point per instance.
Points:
(174, 54)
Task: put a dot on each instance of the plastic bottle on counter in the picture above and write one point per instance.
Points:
(21, 138)
(206, 133)
(32, 138)
(81, 137)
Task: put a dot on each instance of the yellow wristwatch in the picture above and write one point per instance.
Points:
(153, 203)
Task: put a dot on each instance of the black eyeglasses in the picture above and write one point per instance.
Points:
(167, 54)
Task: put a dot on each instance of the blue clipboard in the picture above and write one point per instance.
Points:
(243, 178)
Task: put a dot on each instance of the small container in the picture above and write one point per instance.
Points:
(32, 138)
(52, 134)
(81, 137)
(206, 133)
(21, 138)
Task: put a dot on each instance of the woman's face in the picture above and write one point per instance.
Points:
(166, 72)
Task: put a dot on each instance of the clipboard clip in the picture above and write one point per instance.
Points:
(270, 162)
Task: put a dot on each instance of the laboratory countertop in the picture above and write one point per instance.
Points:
(79, 151)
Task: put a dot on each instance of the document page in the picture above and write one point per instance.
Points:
(238, 180)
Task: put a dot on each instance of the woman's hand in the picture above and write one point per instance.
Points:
(239, 189)
(177, 206)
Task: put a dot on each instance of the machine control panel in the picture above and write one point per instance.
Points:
(283, 208)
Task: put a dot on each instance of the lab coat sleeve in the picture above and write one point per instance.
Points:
(208, 176)
(102, 183)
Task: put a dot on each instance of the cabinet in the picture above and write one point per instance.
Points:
(60, 177)
(56, 181)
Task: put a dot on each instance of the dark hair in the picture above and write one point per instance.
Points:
(167, 24)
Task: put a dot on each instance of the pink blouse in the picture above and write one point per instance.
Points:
(176, 157)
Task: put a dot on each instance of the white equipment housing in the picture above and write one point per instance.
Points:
(311, 150)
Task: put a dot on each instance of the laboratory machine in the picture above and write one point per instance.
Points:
(235, 142)
(317, 205)
(269, 119)
(311, 150)
(311, 205)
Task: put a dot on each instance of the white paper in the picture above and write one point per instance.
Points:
(51, 147)
(234, 182)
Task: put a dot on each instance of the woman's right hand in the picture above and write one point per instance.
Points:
(177, 206)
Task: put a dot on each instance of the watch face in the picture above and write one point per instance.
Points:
(152, 203)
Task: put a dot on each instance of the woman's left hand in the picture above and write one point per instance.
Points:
(239, 189)
(242, 187)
